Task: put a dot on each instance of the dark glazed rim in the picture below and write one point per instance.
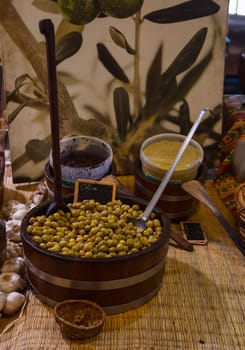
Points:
(125, 198)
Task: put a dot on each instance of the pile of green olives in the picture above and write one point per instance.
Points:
(94, 230)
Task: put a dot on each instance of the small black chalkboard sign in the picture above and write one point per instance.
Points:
(101, 191)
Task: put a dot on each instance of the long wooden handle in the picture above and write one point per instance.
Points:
(47, 29)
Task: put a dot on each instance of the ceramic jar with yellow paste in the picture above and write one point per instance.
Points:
(158, 152)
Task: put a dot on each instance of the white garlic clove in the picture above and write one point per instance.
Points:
(20, 213)
(11, 281)
(14, 302)
(12, 224)
(3, 298)
(13, 230)
(11, 207)
(13, 249)
(16, 264)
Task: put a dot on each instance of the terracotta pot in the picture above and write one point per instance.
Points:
(117, 284)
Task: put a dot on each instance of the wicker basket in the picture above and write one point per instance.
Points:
(240, 204)
(79, 319)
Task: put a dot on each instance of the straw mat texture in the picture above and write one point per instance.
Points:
(201, 304)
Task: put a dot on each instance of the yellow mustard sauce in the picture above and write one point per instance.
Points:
(162, 153)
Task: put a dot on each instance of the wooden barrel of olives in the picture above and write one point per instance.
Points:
(175, 202)
(118, 283)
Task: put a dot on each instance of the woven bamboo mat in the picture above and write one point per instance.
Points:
(201, 304)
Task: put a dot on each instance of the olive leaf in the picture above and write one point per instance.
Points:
(120, 40)
(98, 115)
(11, 116)
(188, 55)
(167, 88)
(153, 82)
(21, 80)
(26, 80)
(67, 46)
(178, 92)
(23, 99)
(37, 150)
(183, 61)
(18, 97)
(122, 111)
(110, 63)
(183, 12)
(46, 6)
(184, 118)
(66, 27)
(188, 81)
(33, 103)
(184, 86)
(37, 94)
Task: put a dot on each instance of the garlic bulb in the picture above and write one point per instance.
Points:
(11, 207)
(2, 300)
(20, 212)
(38, 196)
(13, 303)
(11, 281)
(16, 264)
(13, 230)
(13, 249)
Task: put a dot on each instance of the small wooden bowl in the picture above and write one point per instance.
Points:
(79, 319)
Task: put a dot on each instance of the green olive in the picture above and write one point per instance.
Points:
(94, 230)
(88, 254)
(37, 239)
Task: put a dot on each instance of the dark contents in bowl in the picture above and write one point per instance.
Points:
(78, 159)
(79, 319)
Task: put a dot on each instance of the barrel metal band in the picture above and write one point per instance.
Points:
(95, 285)
(111, 309)
(182, 214)
(166, 197)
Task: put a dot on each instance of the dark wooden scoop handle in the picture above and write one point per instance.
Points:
(47, 29)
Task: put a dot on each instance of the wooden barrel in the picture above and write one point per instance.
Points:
(175, 202)
(67, 187)
(118, 284)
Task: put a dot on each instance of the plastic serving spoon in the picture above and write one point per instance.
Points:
(198, 191)
(47, 29)
(141, 222)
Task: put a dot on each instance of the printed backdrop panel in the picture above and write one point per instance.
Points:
(130, 79)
